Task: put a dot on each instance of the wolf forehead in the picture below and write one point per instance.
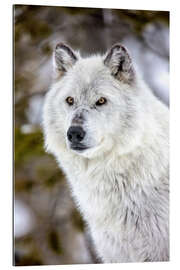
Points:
(90, 68)
(88, 75)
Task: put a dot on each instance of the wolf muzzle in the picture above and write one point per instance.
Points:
(75, 135)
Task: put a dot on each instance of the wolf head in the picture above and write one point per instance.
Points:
(94, 103)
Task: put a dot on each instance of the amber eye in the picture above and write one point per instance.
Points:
(70, 100)
(101, 101)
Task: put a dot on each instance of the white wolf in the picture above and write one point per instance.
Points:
(109, 134)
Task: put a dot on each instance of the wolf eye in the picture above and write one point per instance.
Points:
(101, 101)
(70, 100)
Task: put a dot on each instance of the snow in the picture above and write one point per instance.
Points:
(23, 219)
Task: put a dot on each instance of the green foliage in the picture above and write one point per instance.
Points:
(28, 260)
(77, 220)
(138, 19)
(27, 145)
(49, 174)
(28, 22)
(27, 252)
(54, 242)
(80, 10)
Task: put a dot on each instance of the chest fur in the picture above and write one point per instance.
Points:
(107, 196)
(125, 207)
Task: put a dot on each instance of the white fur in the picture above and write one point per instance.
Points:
(120, 184)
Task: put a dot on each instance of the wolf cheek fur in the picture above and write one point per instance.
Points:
(118, 169)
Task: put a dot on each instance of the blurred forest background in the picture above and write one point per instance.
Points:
(47, 227)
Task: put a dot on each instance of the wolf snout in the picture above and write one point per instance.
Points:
(75, 134)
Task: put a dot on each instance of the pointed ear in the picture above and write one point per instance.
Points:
(64, 58)
(119, 62)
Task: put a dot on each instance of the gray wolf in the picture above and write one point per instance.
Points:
(109, 134)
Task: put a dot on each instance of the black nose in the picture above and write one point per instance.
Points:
(75, 134)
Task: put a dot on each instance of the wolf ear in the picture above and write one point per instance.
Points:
(119, 62)
(64, 58)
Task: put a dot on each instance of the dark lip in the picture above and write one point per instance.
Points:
(78, 147)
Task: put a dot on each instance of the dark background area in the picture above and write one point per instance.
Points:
(47, 227)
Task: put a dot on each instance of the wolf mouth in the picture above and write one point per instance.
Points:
(78, 147)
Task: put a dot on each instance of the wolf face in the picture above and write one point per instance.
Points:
(94, 102)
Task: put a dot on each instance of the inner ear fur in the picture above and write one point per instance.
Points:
(64, 58)
(117, 59)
